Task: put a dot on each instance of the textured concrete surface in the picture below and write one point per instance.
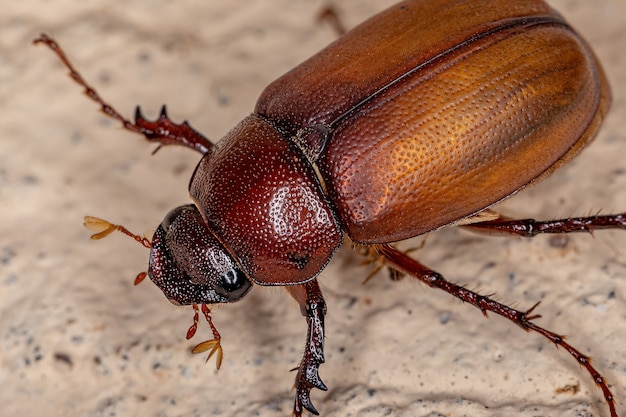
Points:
(77, 339)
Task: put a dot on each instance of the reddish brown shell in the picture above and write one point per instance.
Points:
(434, 110)
(261, 198)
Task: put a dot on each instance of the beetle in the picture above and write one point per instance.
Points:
(419, 118)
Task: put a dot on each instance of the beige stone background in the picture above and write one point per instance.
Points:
(77, 339)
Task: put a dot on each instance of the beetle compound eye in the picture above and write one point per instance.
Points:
(190, 265)
(229, 276)
(234, 281)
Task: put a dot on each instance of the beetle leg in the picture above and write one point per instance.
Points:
(313, 307)
(398, 260)
(162, 130)
(532, 227)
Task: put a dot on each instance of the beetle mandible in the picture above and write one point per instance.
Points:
(392, 131)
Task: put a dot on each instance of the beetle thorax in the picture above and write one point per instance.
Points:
(260, 195)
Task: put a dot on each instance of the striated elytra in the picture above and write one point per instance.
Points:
(421, 117)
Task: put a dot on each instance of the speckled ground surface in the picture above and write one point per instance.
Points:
(77, 339)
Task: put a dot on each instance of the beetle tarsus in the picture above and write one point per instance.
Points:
(308, 371)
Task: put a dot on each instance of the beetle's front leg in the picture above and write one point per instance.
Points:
(162, 130)
(313, 307)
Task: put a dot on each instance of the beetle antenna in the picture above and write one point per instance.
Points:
(103, 228)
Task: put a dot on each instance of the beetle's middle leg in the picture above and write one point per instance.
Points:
(404, 263)
(532, 227)
(313, 307)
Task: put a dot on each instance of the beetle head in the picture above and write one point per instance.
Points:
(190, 265)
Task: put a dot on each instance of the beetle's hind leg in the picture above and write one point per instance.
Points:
(162, 130)
(399, 260)
(532, 227)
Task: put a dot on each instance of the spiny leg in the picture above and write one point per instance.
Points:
(532, 227)
(162, 130)
(313, 307)
(398, 260)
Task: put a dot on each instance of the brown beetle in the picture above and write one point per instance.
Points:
(419, 118)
